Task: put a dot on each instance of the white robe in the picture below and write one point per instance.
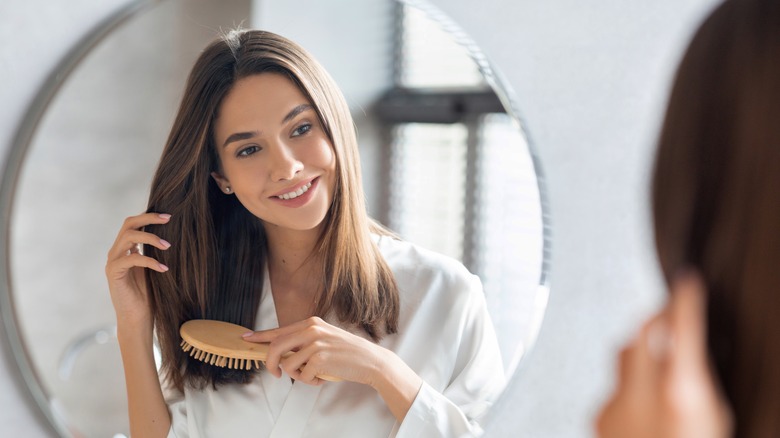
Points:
(444, 334)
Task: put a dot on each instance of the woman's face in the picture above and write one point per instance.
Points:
(276, 157)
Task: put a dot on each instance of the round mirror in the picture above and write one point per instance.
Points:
(446, 164)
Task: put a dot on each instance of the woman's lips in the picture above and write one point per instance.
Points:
(299, 200)
(292, 191)
(295, 193)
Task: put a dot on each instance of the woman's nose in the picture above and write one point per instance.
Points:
(284, 163)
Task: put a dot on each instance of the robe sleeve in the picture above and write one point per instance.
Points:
(477, 379)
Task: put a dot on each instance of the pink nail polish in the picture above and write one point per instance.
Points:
(163, 267)
(165, 216)
(165, 243)
(247, 334)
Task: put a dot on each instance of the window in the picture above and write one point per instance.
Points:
(461, 179)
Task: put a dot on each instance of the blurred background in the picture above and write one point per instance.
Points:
(590, 81)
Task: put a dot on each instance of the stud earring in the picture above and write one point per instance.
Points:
(227, 189)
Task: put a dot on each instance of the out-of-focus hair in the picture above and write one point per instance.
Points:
(716, 199)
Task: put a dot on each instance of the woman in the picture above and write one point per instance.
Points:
(709, 364)
(256, 217)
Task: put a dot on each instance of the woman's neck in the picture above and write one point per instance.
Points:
(294, 273)
(290, 251)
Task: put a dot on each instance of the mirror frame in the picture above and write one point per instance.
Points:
(26, 130)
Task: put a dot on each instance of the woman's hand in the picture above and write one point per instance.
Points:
(320, 349)
(124, 269)
(666, 388)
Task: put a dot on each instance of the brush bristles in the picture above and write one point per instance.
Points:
(217, 360)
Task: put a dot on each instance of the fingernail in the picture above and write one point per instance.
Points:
(659, 340)
(163, 267)
(165, 243)
(165, 216)
(247, 334)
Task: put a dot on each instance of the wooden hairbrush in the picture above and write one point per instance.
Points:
(221, 344)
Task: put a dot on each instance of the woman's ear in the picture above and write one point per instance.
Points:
(222, 182)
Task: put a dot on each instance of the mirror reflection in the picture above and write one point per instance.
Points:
(443, 163)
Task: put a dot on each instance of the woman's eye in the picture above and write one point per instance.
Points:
(245, 152)
(303, 129)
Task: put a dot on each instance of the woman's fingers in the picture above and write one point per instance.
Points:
(311, 348)
(144, 219)
(301, 349)
(284, 344)
(121, 265)
(123, 256)
(665, 384)
(687, 320)
(306, 365)
(287, 339)
(137, 222)
(631, 401)
(126, 264)
(294, 362)
(131, 238)
(130, 235)
(273, 334)
(649, 351)
(691, 389)
(261, 335)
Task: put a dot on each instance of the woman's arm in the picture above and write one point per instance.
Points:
(148, 412)
(397, 384)
(125, 266)
(453, 405)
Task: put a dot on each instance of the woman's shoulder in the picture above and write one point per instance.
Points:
(407, 256)
(418, 270)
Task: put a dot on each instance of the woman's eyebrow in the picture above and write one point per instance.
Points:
(240, 136)
(295, 111)
(247, 135)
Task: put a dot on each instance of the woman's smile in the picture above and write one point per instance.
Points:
(299, 195)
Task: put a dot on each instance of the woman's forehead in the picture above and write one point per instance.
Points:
(258, 102)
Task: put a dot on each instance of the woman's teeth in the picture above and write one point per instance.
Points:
(295, 194)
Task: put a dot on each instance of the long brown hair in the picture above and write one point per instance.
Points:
(218, 247)
(716, 196)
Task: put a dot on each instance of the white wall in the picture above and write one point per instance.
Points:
(591, 79)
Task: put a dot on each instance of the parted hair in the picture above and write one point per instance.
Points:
(219, 249)
(716, 196)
